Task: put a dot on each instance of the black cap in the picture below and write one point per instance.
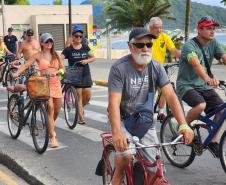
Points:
(140, 32)
(30, 32)
(10, 29)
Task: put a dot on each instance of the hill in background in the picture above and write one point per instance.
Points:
(178, 8)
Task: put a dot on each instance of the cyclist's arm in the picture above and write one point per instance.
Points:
(175, 52)
(19, 51)
(61, 63)
(194, 61)
(223, 59)
(28, 63)
(7, 51)
(119, 139)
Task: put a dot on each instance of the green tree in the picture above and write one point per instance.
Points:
(16, 2)
(57, 2)
(187, 19)
(223, 1)
(125, 14)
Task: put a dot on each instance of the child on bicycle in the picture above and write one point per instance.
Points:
(129, 84)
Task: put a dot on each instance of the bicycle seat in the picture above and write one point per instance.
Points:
(16, 88)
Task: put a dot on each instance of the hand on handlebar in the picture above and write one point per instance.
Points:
(188, 135)
(15, 75)
(213, 82)
(120, 142)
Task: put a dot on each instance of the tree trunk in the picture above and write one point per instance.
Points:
(187, 19)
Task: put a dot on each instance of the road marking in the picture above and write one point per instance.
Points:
(100, 96)
(3, 100)
(99, 103)
(98, 90)
(25, 136)
(82, 130)
(7, 179)
(3, 108)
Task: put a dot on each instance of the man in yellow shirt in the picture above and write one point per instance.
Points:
(159, 48)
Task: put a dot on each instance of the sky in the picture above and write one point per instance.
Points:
(207, 2)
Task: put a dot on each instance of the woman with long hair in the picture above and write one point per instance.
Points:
(49, 64)
(79, 56)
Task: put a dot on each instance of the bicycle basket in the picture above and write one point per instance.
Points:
(38, 87)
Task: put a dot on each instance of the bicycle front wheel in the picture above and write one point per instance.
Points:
(71, 107)
(180, 155)
(13, 116)
(223, 151)
(39, 128)
(9, 80)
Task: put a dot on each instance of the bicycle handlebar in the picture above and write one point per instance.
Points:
(135, 140)
(168, 66)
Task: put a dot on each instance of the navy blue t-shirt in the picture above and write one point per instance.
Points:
(10, 42)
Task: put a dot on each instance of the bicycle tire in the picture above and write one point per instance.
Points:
(71, 106)
(39, 127)
(108, 166)
(13, 116)
(222, 150)
(180, 155)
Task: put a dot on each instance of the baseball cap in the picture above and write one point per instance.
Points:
(45, 36)
(140, 32)
(77, 28)
(30, 32)
(207, 21)
(10, 29)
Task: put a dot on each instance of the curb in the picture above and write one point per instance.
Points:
(18, 170)
(101, 82)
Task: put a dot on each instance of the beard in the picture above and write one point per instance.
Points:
(143, 58)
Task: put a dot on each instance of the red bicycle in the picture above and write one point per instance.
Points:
(135, 173)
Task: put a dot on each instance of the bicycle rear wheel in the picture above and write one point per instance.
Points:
(109, 166)
(180, 155)
(13, 116)
(39, 127)
(71, 107)
(223, 151)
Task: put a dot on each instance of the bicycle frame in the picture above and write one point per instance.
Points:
(213, 127)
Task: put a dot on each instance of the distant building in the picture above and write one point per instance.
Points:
(47, 18)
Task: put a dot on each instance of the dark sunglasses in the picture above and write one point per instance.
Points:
(207, 18)
(49, 40)
(141, 45)
(78, 36)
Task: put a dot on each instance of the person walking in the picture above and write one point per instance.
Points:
(10, 41)
(79, 56)
(49, 63)
(160, 46)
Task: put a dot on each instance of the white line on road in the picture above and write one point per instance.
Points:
(99, 103)
(3, 100)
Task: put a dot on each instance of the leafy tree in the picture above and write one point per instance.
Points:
(57, 2)
(16, 2)
(131, 13)
(223, 1)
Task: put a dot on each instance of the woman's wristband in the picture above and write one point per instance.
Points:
(184, 127)
(61, 71)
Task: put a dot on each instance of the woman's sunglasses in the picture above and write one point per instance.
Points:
(49, 40)
(141, 45)
(77, 36)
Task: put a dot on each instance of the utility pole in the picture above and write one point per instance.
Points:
(69, 15)
(108, 38)
(3, 17)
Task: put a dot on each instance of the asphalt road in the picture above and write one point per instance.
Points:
(74, 162)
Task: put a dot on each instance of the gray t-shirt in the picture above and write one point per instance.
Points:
(132, 84)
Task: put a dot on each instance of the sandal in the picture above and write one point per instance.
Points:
(82, 122)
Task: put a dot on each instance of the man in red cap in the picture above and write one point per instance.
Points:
(195, 82)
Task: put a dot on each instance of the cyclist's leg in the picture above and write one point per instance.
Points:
(161, 106)
(80, 105)
(122, 159)
(194, 99)
(57, 102)
(150, 153)
(213, 100)
(86, 96)
(53, 141)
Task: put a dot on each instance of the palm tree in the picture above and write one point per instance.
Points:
(223, 1)
(187, 19)
(57, 2)
(132, 13)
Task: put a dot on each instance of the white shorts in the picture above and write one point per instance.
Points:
(149, 138)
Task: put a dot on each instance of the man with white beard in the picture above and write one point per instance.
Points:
(131, 86)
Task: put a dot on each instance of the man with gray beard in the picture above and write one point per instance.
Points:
(131, 85)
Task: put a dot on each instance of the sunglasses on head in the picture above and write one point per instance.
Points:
(207, 18)
(141, 45)
(49, 40)
(78, 36)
